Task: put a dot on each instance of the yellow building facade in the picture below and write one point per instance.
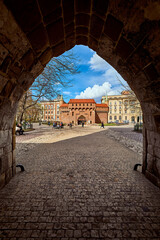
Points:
(124, 108)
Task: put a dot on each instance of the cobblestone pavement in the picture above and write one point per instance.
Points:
(128, 133)
(80, 188)
(126, 136)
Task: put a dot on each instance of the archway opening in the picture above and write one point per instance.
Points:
(81, 120)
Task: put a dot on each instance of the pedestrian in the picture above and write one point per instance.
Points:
(102, 125)
(82, 124)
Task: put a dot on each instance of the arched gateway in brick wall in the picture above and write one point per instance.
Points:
(124, 33)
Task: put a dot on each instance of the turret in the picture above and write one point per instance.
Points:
(61, 100)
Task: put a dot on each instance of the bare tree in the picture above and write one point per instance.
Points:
(57, 75)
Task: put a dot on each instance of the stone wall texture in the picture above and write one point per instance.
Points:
(124, 33)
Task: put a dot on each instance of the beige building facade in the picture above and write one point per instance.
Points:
(124, 108)
(50, 110)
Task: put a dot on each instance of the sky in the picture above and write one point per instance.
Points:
(96, 78)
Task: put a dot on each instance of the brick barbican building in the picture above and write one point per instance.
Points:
(88, 111)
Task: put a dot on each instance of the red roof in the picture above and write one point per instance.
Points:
(82, 101)
(125, 92)
(101, 105)
(64, 105)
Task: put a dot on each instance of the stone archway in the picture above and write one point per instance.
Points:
(124, 33)
(81, 120)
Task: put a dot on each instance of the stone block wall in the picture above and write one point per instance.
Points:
(151, 149)
(7, 156)
(124, 33)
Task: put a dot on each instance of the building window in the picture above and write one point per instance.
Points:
(115, 103)
(110, 112)
(52, 117)
(133, 119)
(125, 111)
(115, 117)
(80, 104)
(119, 112)
(120, 107)
(57, 112)
(120, 117)
(48, 106)
(76, 104)
(110, 107)
(72, 113)
(90, 113)
(72, 104)
(115, 110)
(49, 117)
(132, 111)
(125, 117)
(120, 102)
(91, 122)
(51, 106)
(48, 112)
(87, 104)
(83, 104)
(51, 112)
(45, 106)
(110, 117)
(57, 117)
(132, 102)
(73, 122)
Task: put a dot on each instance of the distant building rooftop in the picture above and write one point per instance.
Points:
(64, 105)
(101, 105)
(82, 101)
(125, 92)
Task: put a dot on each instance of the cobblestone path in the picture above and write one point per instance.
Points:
(129, 133)
(81, 188)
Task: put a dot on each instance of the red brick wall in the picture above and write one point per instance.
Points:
(67, 117)
(88, 111)
(101, 115)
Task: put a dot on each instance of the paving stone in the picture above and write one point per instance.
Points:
(80, 188)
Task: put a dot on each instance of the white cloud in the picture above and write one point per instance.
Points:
(109, 80)
(66, 92)
(97, 91)
(109, 73)
(97, 63)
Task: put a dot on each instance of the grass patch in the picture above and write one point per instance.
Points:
(109, 124)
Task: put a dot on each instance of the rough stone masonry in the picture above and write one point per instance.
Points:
(124, 33)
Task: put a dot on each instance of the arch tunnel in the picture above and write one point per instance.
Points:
(124, 33)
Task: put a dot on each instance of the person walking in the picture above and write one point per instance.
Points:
(102, 125)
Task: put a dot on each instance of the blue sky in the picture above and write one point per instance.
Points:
(96, 78)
